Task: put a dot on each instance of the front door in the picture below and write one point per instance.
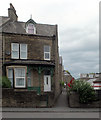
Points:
(47, 83)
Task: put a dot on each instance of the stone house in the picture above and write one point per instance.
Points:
(30, 55)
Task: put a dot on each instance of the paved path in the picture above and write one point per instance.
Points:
(62, 100)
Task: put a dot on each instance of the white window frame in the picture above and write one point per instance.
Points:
(14, 50)
(45, 52)
(16, 86)
(23, 51)
(34, 29)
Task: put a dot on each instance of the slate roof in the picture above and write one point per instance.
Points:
(19, 27)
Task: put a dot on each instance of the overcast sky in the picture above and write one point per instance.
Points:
(78, 28)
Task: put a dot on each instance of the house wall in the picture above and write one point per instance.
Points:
(35, 45)
(0, 54)
(35, 52)
(36, 83)
(60, 72)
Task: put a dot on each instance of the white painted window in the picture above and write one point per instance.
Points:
(10, 75)
(23, 51)
(31, 29)
(18, 50)
(20, 77)
(15, 51)
(46, 52)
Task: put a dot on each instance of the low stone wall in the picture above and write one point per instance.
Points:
(25, 98)
(73, 101)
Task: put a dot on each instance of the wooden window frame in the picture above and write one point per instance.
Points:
(13, 67)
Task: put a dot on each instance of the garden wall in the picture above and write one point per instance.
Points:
(73, 101)
(25, 98)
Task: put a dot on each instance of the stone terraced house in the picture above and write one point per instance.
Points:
(30, 55)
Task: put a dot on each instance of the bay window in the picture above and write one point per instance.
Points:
(17, 76)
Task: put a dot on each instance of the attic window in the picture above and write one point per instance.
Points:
(31, 29)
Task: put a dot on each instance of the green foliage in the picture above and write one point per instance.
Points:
(85, 90)
(5, 82)
(62, 83)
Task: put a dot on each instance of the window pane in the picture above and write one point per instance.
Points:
(19, 81)
(11, 79)
(15, 54)
(47, 56)
(10, 73)
(20, 77)
(15, 47)
(10, 76)
(20, 72)
(31, 31)
(23, 51)
(30, 28)
(23, 55)
(23, 47)
(47, 48)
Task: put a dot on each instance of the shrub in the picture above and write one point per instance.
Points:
(85, 90)
(62, 83)
(5, 82)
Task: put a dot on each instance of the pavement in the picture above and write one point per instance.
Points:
(60, 106)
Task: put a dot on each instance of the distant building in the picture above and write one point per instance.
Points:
(93, 78)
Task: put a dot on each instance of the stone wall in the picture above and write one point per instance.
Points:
(35, 45)
(73, 101)
(25, 98)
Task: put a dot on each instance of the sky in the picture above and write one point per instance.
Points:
(78, 28)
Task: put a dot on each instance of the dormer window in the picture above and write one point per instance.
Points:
(30, 27)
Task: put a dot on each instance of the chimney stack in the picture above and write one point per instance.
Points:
(12, 13)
